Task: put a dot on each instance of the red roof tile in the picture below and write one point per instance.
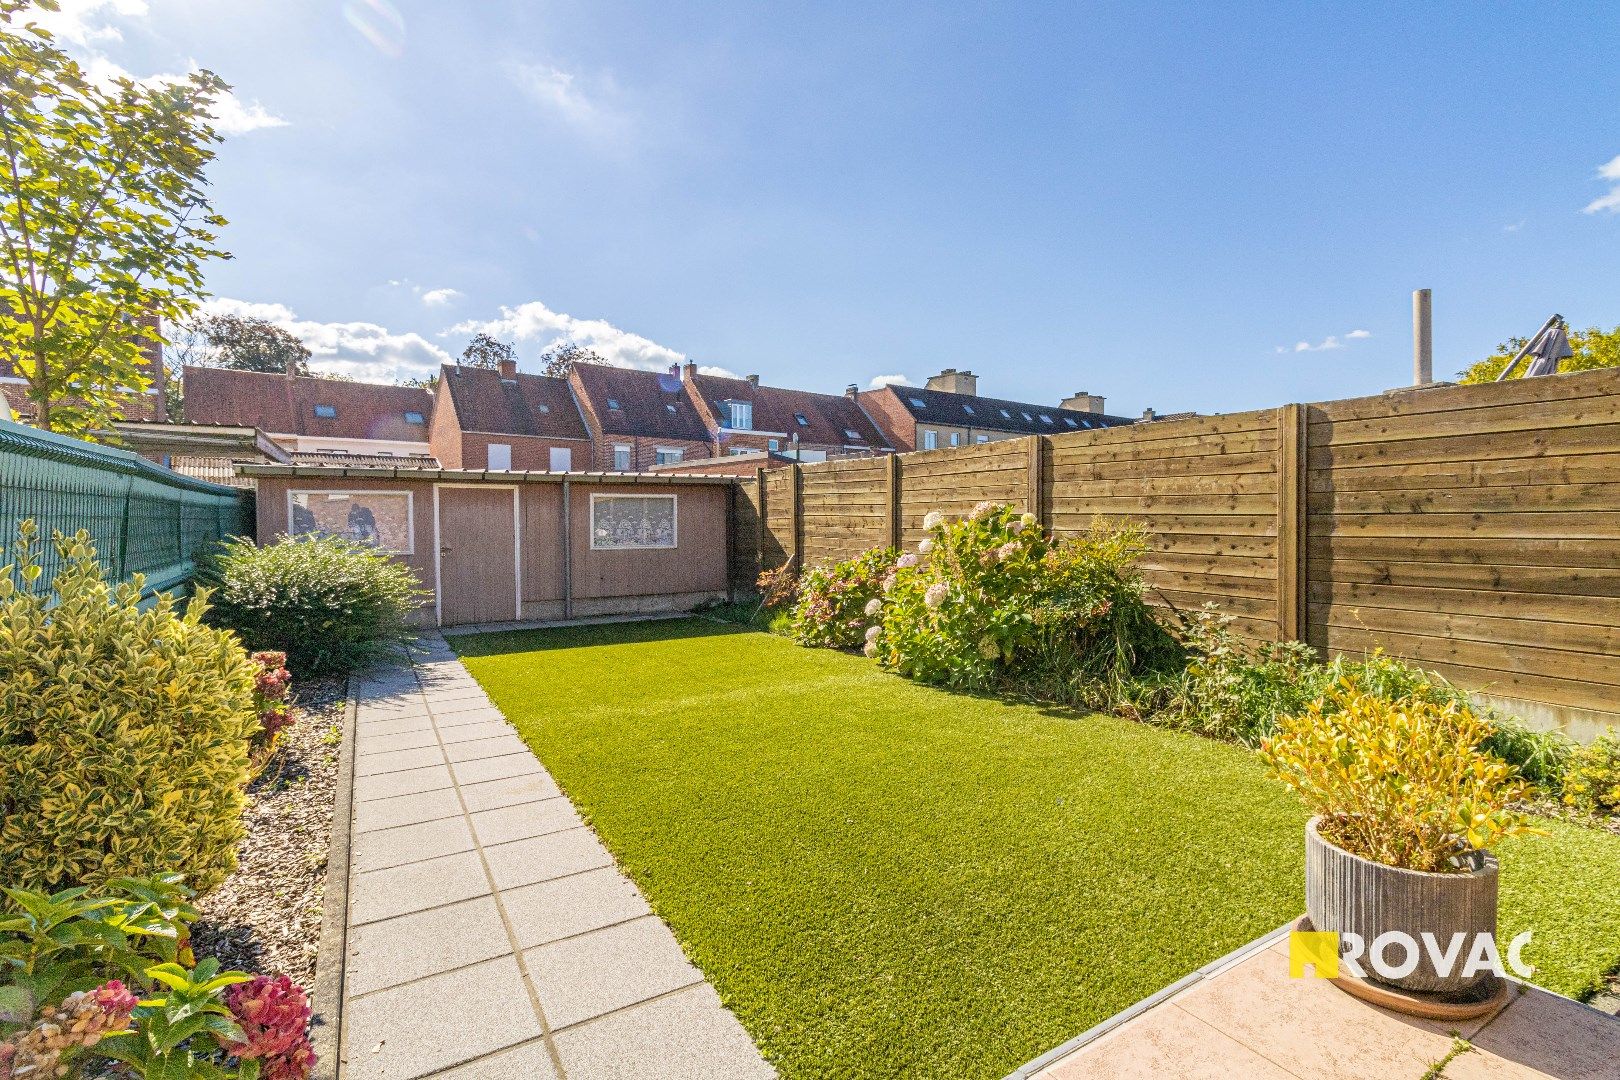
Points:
(651, 404)
(828, 419)
(526, 405)
(281, 405)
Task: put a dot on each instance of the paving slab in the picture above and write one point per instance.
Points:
(490, 936)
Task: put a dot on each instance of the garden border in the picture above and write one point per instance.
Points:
(327, 1021)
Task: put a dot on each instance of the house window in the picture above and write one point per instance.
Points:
(1070, 421)
(382, 518)
(1045, 419)
(670, 409)
(542, 408)
(668, 455)
(500, 457)
(800, 417)
(930, 440)
(1006, 414)
(918, 403)
(981, 438)
(629, 522)
(742, 414)
(736, 451)
(852, 435)
(613, 403)
(967, 408)
(326, 412)
(956, 438)
(1028, 417)
(621, 457)
(415, 418)
(774, 444)
(560, 459)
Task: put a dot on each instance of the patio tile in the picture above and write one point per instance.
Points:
(497, 768)
(524, 820)
(1295, 1020)
(531, 1061)
(409, 782)
(477, 749)
(425, 1026)
(405, 809)
(541, 858)
(478, 714)
(1544, 1034)
(411, 843)
(397, 761)
(551, 910)
(1166, 1041)
(369, 745)
(483, 729)
(527, 787)
(429, 942)
(399, 726)
(400, 890)
(685, 1036)
(595, 973)
(453, 692)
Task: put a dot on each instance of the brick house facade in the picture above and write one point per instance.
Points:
(506, 419)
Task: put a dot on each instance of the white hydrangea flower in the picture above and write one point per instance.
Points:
(936, 594)
(873, 606)
(872, 633)
(933, 520)
(926, 546)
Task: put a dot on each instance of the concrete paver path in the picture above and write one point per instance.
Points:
(490, 935)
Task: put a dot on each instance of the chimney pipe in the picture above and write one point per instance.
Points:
(753, 380)
(1422, 337)
(508, 368)
(852, 391)
(689, 372)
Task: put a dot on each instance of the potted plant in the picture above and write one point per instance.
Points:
(1406, 807)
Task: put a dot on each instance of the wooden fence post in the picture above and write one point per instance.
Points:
(796, 516)
(1035, 500)
(761, 522)
(1291, 521)
(892, 489)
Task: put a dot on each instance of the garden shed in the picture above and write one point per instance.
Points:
(497, 546)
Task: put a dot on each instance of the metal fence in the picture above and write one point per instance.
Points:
(143, 518)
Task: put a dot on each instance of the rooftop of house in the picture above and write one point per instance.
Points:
(629, 402)
(305, 405)
(825, 419)
(513, 403)
(950, 409)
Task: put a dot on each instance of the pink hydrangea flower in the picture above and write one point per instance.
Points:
(936, 594)
(1007, 550)
(1016, 526)
(907, 560)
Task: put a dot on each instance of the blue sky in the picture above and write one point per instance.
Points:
(1160, 203)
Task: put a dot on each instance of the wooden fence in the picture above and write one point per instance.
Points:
(1474, 530)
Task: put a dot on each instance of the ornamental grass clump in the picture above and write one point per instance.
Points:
(330, 603)
(989, 601)
(124, 730)
(1401, 782)
(838, 605)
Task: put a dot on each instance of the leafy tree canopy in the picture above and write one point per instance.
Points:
(104, 220)
(240, 342)
(1594, 348)
(560, 358)
(485, 351)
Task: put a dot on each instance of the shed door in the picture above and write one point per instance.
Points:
(477, 555)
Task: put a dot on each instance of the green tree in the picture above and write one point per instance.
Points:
(560, 359)
(104, 219)
(240, 342)
(1594, 348)
(487, 352)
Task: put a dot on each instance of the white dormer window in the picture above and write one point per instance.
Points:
(742, 415)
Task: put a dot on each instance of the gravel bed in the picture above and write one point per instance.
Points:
(266, 917)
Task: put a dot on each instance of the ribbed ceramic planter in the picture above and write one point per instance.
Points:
(1345, 893)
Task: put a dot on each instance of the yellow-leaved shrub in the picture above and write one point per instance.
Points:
(1402, 782)
(123, 732)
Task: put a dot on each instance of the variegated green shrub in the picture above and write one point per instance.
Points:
(124, 732)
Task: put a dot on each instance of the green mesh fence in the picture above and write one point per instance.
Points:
(143, 518)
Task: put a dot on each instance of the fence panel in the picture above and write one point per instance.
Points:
(954, 481)
(844, 508)
(1206, 492)
(142, 518)
(1476, 531)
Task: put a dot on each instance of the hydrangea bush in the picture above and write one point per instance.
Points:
(990, 600)
(839, 604)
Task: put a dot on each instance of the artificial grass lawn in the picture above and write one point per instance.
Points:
(883, 879)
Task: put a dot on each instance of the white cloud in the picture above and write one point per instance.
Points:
(880, 381)
(1611, 201)
(535, 322)
(359, 350)
(84, 22)
(1513, 227)
(561, 95)
(437, 297)
(1327, 344)
(232, 115)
